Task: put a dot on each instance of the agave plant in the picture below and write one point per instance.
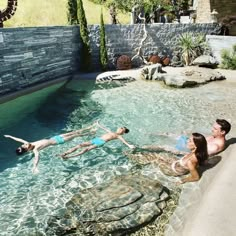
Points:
(191, 46)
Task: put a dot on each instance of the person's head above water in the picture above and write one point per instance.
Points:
(221, 127)
(24, 148)
(122, 130)
(198, 144)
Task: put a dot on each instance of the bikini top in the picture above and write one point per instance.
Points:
(182, 162)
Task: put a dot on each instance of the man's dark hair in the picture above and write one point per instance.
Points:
(126, 130)
(224, 124)
(20, 151)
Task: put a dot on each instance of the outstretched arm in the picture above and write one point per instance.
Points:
(102, 127)
(16, 139)
(125, 142)
(36, 161)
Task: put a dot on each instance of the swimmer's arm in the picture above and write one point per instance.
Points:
(36, 161)
(125, 142)
(15, 138)
(102, 127)
(193, 176)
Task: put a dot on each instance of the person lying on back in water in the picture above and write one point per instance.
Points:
(98, 142)
(37, 146)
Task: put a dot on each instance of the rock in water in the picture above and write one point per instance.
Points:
(120, 206)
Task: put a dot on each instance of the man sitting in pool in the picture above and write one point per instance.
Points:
(216, 142)
(98, 142)
(36, 146)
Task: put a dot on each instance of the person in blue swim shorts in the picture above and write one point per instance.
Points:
(36, 146)
(98, 142)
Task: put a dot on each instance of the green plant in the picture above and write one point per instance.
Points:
(72, 15)
(228, 58)
(84, 34)
(191, 46)
(103, 49)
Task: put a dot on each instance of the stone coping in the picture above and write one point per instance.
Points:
(31, 89)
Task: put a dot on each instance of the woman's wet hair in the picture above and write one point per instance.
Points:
(224, 124)
(201, 147)
(21, 150)
(126, 130)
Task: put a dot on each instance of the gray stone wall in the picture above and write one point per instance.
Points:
(33, 55)
(162, 38)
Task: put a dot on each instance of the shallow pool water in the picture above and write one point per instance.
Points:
(146, 108)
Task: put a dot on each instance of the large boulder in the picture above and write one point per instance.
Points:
(117, 207)
(205, 61)
(187, 77)
(152, 72)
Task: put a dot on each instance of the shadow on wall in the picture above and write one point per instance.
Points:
(213, 161)
(230, 142)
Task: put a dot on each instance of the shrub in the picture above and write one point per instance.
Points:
(72, 15)
(191, 46)
(228, 58)
(103, 49)
(84, 34)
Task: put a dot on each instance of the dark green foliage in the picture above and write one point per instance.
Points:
(84, 34)
(229, 58)
(103, 49)
(72, 15)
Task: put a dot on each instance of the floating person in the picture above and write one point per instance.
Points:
(98, 142)
(37, 146)
(175, 166)
(216, 142)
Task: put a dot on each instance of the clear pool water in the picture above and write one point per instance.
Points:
(146, 108)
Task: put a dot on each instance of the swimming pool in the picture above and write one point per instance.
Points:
(146, 108)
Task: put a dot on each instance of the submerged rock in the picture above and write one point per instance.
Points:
(120, 206)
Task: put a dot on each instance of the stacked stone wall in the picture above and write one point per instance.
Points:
(34, 55)
(162, 39)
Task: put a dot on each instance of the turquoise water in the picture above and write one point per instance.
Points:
(146, 108)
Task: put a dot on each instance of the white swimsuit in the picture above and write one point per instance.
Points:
(180, 161)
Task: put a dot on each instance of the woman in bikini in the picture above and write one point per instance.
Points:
(174, 166)
(189, 163)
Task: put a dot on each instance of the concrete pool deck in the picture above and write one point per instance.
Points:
(208, 208)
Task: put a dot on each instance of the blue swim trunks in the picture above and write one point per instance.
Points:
(59, 139)
(182, 143)
(98, 142)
